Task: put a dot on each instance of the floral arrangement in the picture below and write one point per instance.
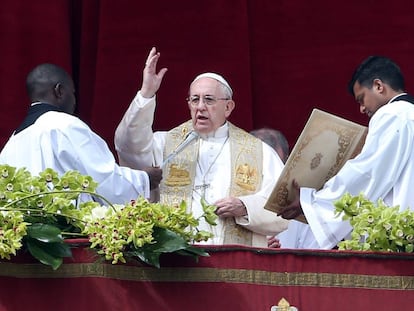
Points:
(37, 214)
(376, 227)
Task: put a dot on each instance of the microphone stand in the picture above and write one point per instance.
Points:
(188, 139)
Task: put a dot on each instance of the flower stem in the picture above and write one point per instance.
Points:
(60, 191)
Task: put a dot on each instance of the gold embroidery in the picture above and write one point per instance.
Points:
(177, 176)
(282, 194)
(184, 131)
(283, 305)
(236, 234)
(178, 185)
(246, 177)
(209, 274)
(316, 161)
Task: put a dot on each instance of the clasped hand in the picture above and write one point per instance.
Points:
(230, 207)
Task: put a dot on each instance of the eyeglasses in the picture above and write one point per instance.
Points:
(208, 100)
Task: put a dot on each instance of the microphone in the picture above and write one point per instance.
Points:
(188, 140)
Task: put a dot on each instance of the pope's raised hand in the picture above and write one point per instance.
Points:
(151, 80)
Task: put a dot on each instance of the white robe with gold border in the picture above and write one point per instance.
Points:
(138, 146)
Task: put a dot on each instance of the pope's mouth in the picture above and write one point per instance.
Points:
(202, 118)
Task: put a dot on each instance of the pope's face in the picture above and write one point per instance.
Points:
(212, 107)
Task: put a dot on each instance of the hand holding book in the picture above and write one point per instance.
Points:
(325, 144)
(294, 209)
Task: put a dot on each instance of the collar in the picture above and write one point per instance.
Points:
(395, 97)
(34, 112)
(221, 132)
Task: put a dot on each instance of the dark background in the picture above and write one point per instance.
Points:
(282, 57)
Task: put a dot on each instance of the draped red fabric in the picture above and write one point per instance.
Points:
(31, 32)
(209, 37)
(232, 278)
(282, 58)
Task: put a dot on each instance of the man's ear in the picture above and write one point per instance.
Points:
(57, 90)
(229, 107)
(378, 85)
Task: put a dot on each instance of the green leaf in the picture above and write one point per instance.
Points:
(57, 249)
(46, 244)
(167, 241)
(149, 257)
(191, 253)
(209, 210)
(191, 250)
(44, 233)
(41, 253)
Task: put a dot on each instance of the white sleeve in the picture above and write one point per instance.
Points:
(79, 147)
(373, 172)
(134, 141)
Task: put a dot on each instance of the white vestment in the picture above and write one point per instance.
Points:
(63, 142)
(297, 235)
(383, 170)
(138, 146)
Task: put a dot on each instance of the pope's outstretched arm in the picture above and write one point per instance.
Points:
(134, 136)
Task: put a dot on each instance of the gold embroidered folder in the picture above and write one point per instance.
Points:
(325, 144)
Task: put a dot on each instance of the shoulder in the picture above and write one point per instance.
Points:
(55, 119)
(182, 129)
(399, 111)
(62, 124)
(391, 118)
(237, 132)
(186, 125)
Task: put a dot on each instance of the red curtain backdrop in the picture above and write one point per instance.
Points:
(31, 32)
(282, 58)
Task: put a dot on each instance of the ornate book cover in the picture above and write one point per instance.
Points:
(325, 144)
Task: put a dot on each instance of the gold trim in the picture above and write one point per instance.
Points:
(198, 274)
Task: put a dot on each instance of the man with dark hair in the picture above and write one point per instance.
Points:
(385, 167)
(51, 137)
(375, 67)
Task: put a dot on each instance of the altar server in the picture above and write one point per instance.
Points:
(51, 137)
(385, 167)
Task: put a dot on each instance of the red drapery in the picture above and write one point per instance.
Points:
(232, 278)
(283, 58)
